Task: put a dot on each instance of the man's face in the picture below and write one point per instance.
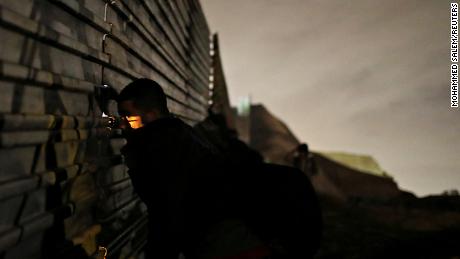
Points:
(131, 116)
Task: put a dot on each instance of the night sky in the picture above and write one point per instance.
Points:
(369, 77)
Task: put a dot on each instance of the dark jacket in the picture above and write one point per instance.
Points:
(170, 167)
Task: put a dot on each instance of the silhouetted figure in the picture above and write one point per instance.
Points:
(166, 160)
(199, 202)
(303, 159)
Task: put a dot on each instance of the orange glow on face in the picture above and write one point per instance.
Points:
(134, 121)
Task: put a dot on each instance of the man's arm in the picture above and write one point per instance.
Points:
(159, 181)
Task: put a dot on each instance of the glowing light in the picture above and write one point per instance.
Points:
(244, 106)
(135, 121)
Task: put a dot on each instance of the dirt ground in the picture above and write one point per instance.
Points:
(403, 228)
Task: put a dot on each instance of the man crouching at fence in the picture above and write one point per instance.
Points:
(192, 193)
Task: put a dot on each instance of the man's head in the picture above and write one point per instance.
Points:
(144, 98)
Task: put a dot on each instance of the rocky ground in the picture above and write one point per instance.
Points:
(407, 227)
